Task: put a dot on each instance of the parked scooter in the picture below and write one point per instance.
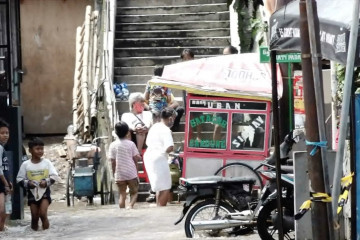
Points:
(231, 205)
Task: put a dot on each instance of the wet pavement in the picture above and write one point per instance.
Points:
(146, 221)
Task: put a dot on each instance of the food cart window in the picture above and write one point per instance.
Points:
(208, 130)
(248, 131)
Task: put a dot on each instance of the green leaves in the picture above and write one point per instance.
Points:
(249, 26)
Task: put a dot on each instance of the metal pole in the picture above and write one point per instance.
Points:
(313, 23)
(291, 98)
(318, 210)
(275, 105)
(333, 103)
(345, 109)
(353, 196)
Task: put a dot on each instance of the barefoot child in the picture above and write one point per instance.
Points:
(124, 156)
(36, 175)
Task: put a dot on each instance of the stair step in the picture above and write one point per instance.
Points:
(132, 79)
(146, 61)
(215, 32)
(201, 16)
(140, 3)
(178, 145)
(165, 51)
(175, 25)
(170, 42)
(143, 10)
(139, 70)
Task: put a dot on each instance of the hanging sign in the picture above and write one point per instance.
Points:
(280, 58)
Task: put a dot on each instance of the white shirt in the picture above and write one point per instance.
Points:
(159, 138)
(132, 120)
(37, 172)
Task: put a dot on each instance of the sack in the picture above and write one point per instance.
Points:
(121, 91)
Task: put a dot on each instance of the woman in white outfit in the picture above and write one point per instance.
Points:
(160, 143)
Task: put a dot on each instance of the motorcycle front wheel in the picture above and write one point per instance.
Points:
(268, 216)
(206, 211)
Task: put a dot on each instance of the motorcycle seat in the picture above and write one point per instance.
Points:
(243, 180)
(202, 180)
(217, 179)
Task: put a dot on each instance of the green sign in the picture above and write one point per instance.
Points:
(280, 58)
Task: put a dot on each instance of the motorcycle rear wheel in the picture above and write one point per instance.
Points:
(239, 169)
(265, 226)
(206, 211)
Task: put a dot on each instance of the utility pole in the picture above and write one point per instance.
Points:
(313, 24)
(319, 215)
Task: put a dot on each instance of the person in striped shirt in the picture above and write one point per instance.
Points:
(124, 156)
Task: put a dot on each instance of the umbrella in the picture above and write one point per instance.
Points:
(237, 75)
(335, 21)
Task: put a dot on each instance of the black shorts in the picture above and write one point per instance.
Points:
(31, 198)
(2, 188)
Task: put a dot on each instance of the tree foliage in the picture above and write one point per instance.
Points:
(249, 25)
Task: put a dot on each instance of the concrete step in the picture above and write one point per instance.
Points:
(215, 32)
(175, 25)
(201, 16)
(170, 42)
(152, 61)
(132, 79)
(179, 144)
(146, 10)
(141, 3)
(165, 51)
(139, 70)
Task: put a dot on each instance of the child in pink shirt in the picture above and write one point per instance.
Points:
(124, 156)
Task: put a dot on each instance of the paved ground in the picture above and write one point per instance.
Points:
(106, 222)
(100, 222)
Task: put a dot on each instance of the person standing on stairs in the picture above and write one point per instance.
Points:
(230, 50)
(187, 55)
(159, 97)
(138, 120)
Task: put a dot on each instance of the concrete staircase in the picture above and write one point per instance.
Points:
(150, 33)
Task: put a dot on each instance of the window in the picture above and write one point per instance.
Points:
(208, 130)
(248, 131)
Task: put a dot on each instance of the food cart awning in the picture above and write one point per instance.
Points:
(240, 75)
(335, 20)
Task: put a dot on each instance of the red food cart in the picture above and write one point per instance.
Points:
(228, 111)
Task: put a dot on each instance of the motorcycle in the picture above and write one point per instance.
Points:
(268, 221)
(233, 206)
